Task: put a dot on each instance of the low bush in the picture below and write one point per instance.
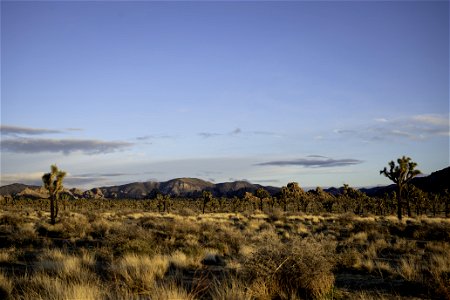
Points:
(302, 268)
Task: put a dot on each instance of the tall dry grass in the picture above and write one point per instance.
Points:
(132, 254)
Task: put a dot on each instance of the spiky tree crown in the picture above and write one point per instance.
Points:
(401, 173)
(207, 195)
(53, 180)
(262, 193)
(294, 189)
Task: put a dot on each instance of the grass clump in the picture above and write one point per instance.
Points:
(302, 268)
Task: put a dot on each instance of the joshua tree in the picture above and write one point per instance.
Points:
(249, 200)
(447, 203)
(262, 194)
(163, 202)
(53, 182)
(284, 197)
(297, 194)
(207, 197)
(401, 175)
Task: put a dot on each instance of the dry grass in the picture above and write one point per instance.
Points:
(6, 286)
(302, 268)
(138, 273)
(131, 254)
(43, 286)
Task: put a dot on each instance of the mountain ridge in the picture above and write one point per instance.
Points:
(436, 182)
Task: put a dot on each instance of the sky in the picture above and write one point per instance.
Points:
(322, 93)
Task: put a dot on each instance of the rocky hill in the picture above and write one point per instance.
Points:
(192, 187)
(436, 182)
(183, 187)
(15, 188)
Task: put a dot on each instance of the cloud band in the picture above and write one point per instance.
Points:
(66, 146)
(314, 161)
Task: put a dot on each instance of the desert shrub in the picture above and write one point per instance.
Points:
(170, 291)
(44, 286)
(139, 272)
(75, 226)
(276, 214)
(231, 289)
(432, 232)
(51, 231)
(186, 212)
(100, 228)
(437, 273)
(57, 263)
(6, 287)
(12, 220)
(301, 268)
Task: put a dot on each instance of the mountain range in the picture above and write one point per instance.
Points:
(192, 187)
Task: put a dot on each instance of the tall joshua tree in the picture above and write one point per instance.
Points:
(401, 175)
(53, 182)
(297, 195)
(207, 197)
(262, 194)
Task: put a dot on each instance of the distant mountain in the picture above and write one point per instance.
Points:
(192, 187)
(176, 187)
(239, 188)
(15, 188)
(183, 187)
(436, 182)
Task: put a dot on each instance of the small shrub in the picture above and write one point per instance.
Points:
(302, 268)
(139, 272)
(6, 287)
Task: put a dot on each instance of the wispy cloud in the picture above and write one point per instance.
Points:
(264, 181)
(96, 179)
(239, 131)
(151, 137)
(417, 127)
(313, 161)
(32, 178)
(236, 131)
(266, 133)
(66, 146)
(91, 175)
(209, 134)
(430, 119)
(17, 130)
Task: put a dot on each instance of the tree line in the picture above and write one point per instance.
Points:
(407, 199)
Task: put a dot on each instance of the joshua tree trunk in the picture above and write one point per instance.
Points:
(408, 206)
(53, 212)
(399, 203)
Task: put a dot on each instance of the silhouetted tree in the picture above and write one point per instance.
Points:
(207, 197)
(284, 197)
(53, 182)
(235, 203)
(446, 198)
(344, 198)
(325, 199)
(262, 195)
(401, 175)
(434, 203)
(418, 198)
(163, 202)
(249, 199)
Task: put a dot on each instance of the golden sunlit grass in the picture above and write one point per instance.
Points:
(126, 253)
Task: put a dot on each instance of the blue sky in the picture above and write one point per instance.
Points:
(322, 93)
